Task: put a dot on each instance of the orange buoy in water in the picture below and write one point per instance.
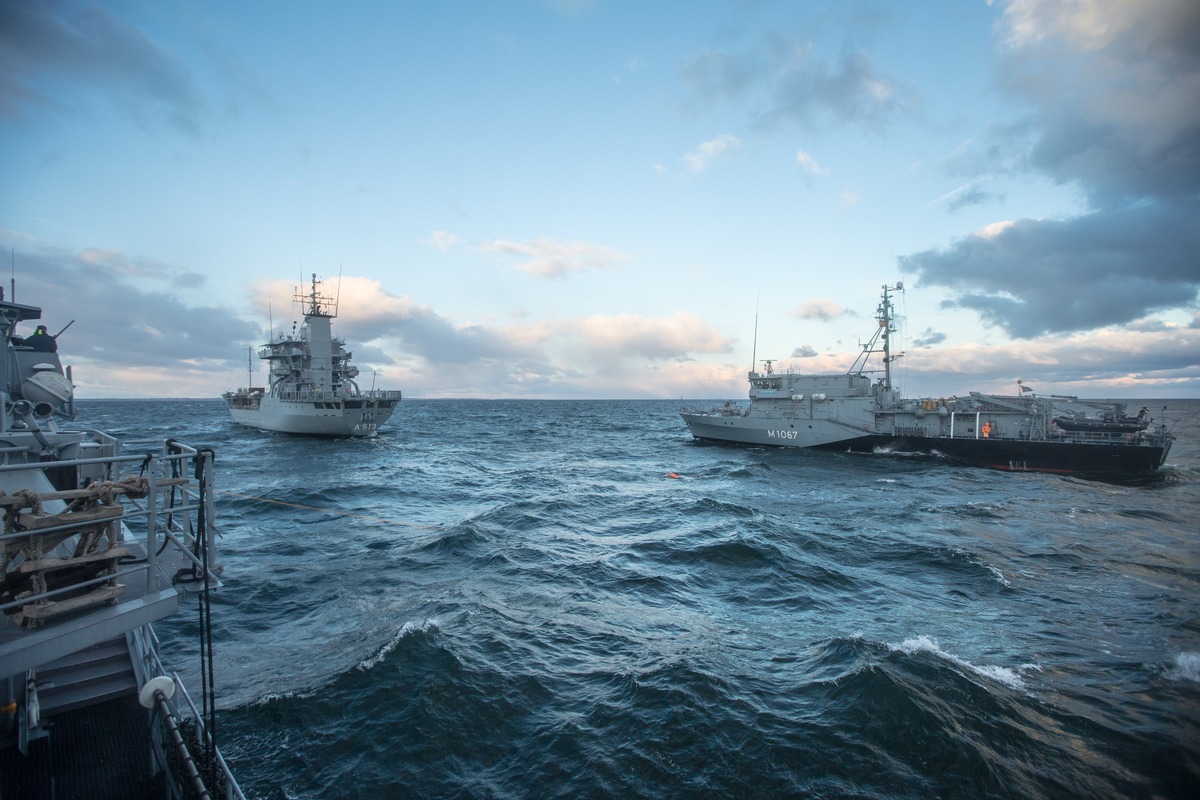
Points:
(672, 474)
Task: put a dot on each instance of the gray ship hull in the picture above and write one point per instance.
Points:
(772, 432)
(354, 417)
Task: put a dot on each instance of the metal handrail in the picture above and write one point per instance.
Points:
(72, 588)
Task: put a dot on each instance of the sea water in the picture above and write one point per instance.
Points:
(570, 599)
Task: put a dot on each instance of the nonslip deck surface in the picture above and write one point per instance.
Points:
(98, 753)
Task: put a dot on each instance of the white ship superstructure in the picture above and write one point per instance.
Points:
(311, 386)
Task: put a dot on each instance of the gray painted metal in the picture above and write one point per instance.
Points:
(97, 544)
(312, 388)
(1025, 431)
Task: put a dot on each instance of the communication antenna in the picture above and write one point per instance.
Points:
(754, 347)
(337, 298)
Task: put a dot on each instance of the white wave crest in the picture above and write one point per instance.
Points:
(420, 626)
(291, 694)
(1186, 668)
(1005, 675)
(999, 575)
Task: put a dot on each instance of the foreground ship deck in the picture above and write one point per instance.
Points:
(312, 388)
(849, 412)
(99, 542)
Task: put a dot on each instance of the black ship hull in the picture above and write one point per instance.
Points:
(1064, 458)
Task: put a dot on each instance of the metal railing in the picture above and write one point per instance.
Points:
(167, 525)
(168, 721)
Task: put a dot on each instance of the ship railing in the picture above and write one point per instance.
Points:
(380, 394)
(113, 480)
(323, 396)
(148, 666)
(1130, 438)
(730, 408)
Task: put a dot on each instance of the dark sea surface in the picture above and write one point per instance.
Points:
(516, 599)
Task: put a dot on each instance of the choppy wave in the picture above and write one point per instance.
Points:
(1003, 675)
(535, 608)
(1186, 667)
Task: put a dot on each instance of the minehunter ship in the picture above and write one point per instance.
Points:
(849, 412)
(100, 541)
(312, 388)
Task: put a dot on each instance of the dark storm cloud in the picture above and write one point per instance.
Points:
(1106, 268)
(1118, 116)
(48, 49)
(121, 322)
(1113, 112)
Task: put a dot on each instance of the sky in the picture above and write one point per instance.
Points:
(609, 199)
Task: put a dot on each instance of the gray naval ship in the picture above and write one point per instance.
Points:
(100, 541)
(851, 412)
(312, 388)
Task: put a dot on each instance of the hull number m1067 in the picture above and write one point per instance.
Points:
(781, 434)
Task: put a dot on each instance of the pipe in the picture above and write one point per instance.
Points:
(189, 764)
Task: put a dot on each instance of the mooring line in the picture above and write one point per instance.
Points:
(329, 511)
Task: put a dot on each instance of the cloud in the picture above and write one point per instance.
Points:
(631, 66)
(628, 335)
(804, 351)
(442, 240)
(368, 313)
(133, 329)
(823, 310)
(929, 337)
(713, 77)
(136, 267)
(49, 53)
(787, 81)
(712, 150)
(851, 92)
(545, 258)
(423, 352)
(808, 165)
(1108, 361)
(1038, 276)
(1110, 89)
(971, 193)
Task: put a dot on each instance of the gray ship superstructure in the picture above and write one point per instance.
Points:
(311, 382)
(851, 412)
(100, 541)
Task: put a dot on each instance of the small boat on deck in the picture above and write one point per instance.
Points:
(1108, 422)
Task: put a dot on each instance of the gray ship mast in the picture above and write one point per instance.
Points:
(317, 315)
(881, 342)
